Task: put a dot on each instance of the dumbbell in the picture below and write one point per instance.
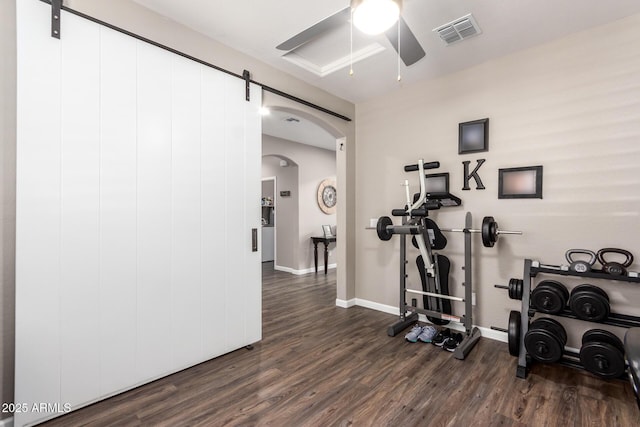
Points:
(602, 353)
(545, 340)
(549, 297)
(590, 303)
(514, 288)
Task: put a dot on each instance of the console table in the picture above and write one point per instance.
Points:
(326, 241)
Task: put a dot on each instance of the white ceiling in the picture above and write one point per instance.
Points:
(256, 27)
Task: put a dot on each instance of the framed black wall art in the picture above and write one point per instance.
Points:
(520, 183)
(473, 137)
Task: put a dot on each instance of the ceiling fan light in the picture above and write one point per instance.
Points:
(375, 16)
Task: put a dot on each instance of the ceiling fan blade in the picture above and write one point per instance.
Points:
(410, 49)
(315, 30)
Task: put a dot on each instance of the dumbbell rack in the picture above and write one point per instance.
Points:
(527, 311)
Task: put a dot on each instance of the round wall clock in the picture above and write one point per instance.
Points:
(327, 196)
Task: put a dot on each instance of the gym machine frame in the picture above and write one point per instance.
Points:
(420, 208)
(472, 334)
(531, 270)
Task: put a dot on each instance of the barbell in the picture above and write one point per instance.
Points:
(490, 231)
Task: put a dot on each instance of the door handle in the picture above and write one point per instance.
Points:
(254, 240)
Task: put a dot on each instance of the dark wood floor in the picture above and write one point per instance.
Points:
(319, 365)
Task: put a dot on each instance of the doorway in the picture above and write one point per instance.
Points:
(268, 207)
(317, 150)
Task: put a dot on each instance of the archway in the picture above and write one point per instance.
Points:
(301, 138)
(343, 137)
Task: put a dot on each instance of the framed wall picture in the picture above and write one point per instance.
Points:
(473, 137)
(437, 183)
(326, 229)
(520, 183)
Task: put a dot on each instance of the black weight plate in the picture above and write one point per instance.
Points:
(548, 298)
(557, 285)
(488, 238)
(515, 288)
(552, 326)
(588, 287)
(381, 228)
(588, 305)
(519, 285)
(515, 324)
(600, 335)
(543, 346)
(602, 359)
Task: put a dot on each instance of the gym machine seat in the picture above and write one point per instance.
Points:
(632, 351)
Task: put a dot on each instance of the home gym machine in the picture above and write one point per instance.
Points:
(434, 268)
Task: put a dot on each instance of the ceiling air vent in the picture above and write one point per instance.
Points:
(460, 29)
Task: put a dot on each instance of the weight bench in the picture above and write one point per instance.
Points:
(632, 351)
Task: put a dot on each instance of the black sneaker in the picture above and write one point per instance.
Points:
(441, 337)
(451, 343)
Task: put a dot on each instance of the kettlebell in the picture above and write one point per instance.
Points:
(580, 266)
(614, 268)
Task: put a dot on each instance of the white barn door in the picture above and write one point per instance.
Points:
(137, 191)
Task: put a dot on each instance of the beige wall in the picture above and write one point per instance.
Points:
(572, 105)
(314, 165)
(8, 195)
(286, 210)
(130, 16)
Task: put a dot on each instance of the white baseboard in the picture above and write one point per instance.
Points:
(377, 306)
(345, 303)
(485, 332)
(284, 269)
(305, 271)
(493, 334)
(7, 422)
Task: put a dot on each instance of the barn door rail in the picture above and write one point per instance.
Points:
(58, 5)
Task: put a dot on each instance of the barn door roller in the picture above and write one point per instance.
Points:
(56, 5)
(246, 75)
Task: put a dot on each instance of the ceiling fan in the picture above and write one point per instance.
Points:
(410, 50)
